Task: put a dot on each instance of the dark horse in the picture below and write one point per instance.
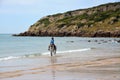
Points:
(52, 49)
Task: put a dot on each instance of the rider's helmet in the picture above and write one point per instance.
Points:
(52, 38)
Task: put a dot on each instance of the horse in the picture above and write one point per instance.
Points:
(52, 49)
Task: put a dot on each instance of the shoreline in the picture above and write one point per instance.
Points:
(107, 34)
(70, 66)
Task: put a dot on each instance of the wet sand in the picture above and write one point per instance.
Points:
(70, 66)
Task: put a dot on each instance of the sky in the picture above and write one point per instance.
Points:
(17, 15)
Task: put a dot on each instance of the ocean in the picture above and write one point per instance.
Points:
(20, 47)
(28, 58)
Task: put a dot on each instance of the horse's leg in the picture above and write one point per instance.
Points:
(54, 52)
(51, 52)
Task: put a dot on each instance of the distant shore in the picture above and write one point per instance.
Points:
(98, 21)
(78, 34)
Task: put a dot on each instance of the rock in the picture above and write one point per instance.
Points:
(95, 40)
(115, 34)
(118, 41)
(70, 41)
(104, 41)
(101, 34)
(99, 43)
(89, 41)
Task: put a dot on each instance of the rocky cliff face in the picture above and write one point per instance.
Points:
(100, 21)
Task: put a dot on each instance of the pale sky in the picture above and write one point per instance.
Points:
(17, 15)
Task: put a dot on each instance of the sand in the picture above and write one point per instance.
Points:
(69, 66)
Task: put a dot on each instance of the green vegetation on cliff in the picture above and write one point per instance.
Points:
(105, 18)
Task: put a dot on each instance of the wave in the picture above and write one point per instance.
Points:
(68, 51)
(8, 58)
(78, 50)
(39, 54)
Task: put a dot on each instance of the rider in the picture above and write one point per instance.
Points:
(52, 43)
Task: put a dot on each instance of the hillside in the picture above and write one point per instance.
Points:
(99, 21)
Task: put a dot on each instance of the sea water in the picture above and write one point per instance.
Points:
(15, 47)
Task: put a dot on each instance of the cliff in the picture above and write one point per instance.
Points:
(99, 21)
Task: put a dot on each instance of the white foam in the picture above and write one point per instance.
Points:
(45, 53)
(8, 58)
(77, 50)
(69, 51)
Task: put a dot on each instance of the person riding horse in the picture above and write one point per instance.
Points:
(52, 44)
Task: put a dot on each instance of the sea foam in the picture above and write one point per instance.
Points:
(8, 58)
(69, 51)
(39, 54)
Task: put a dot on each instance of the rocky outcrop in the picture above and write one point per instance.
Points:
(79, 34)
(100, 21)
(107, 34)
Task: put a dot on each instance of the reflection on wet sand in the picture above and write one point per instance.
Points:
(53, 69)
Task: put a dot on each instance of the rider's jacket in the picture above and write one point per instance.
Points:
(52, 41)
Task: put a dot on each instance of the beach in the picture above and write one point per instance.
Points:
(27, 58)
(70, 66)
(83, 35)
